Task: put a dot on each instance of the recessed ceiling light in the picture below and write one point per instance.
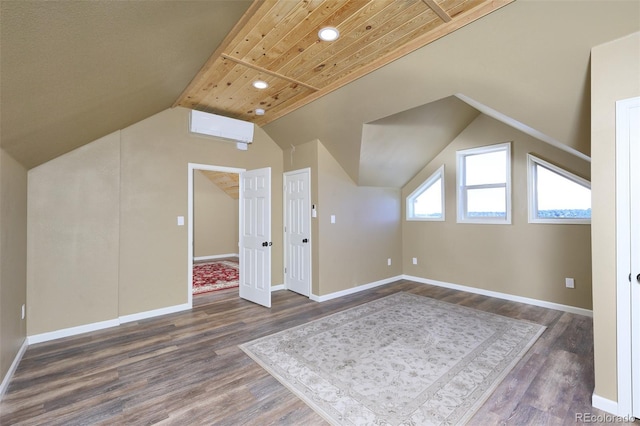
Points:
(259, 111)
(328, 34)
(259, 84)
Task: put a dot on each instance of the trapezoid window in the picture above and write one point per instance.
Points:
(427, 201)
(557, 195)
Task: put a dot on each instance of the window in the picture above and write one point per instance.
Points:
(427, 201)
(484, 184)
(556, 195)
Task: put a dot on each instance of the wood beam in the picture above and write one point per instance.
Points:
(438, 10)
(269, 72)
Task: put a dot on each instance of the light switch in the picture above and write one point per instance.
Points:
(180, 220)
(333, 218)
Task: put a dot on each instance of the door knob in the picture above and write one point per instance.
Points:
(306, 240)
(638, 278)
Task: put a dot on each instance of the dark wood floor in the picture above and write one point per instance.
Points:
(186, 368)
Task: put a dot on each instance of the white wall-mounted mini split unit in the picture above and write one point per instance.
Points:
(219, 126)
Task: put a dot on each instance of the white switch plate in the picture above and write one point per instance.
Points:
(570, 283)
(23, 311)
(180, 220)
(333, 218)
(389, 262)
(415, 260)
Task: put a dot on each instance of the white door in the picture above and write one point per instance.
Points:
(297, 231)
(255, 236)
(628, 254)
(634, 201)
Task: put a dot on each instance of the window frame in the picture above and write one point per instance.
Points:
(428, 183)
(532, 187)
(462, 189)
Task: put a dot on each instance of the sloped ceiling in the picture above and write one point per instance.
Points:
(394, 149)
(528, 62)
(229, 183)
(277, 42)
(74, 71)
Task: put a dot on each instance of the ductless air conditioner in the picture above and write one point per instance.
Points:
(222, 127)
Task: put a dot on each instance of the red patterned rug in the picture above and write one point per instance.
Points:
(212, 276)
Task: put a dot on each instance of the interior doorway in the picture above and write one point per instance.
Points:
(191, 257)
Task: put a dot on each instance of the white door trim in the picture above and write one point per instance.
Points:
(623, 260)
(306, 170)
(190, 197)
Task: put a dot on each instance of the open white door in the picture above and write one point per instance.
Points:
(628, 255)
(255, 236)
(634, 223)
(297, 231)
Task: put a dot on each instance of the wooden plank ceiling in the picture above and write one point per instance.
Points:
(228, 182)
(277, 41)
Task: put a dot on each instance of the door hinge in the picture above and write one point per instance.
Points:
(285, 270)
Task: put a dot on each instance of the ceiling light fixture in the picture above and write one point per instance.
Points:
(328, 34)
(259, 84)
(259, 111)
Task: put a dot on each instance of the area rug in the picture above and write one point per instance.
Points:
(400, 360)
(212, 276)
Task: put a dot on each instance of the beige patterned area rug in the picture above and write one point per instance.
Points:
(400, 360)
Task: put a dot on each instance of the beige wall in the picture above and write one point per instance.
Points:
(354, 250)
(615, 68)
(73, 243)
(103, 239)
(153, 250)
(215, 219)
(13, 258)
(522, 259)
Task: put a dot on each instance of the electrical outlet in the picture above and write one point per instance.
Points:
(415, 260)
(570, 283)
(389, 262)
(23, 311)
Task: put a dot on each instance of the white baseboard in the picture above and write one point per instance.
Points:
(12, 369)
(604, 404)
(278, 287)
(504, 296)
(74, 331)
(353, 290)
(216, 256)
(154, 313)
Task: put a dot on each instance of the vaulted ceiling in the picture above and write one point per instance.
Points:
(277, 42)
(74, 71)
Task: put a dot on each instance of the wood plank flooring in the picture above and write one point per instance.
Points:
(186, 368)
